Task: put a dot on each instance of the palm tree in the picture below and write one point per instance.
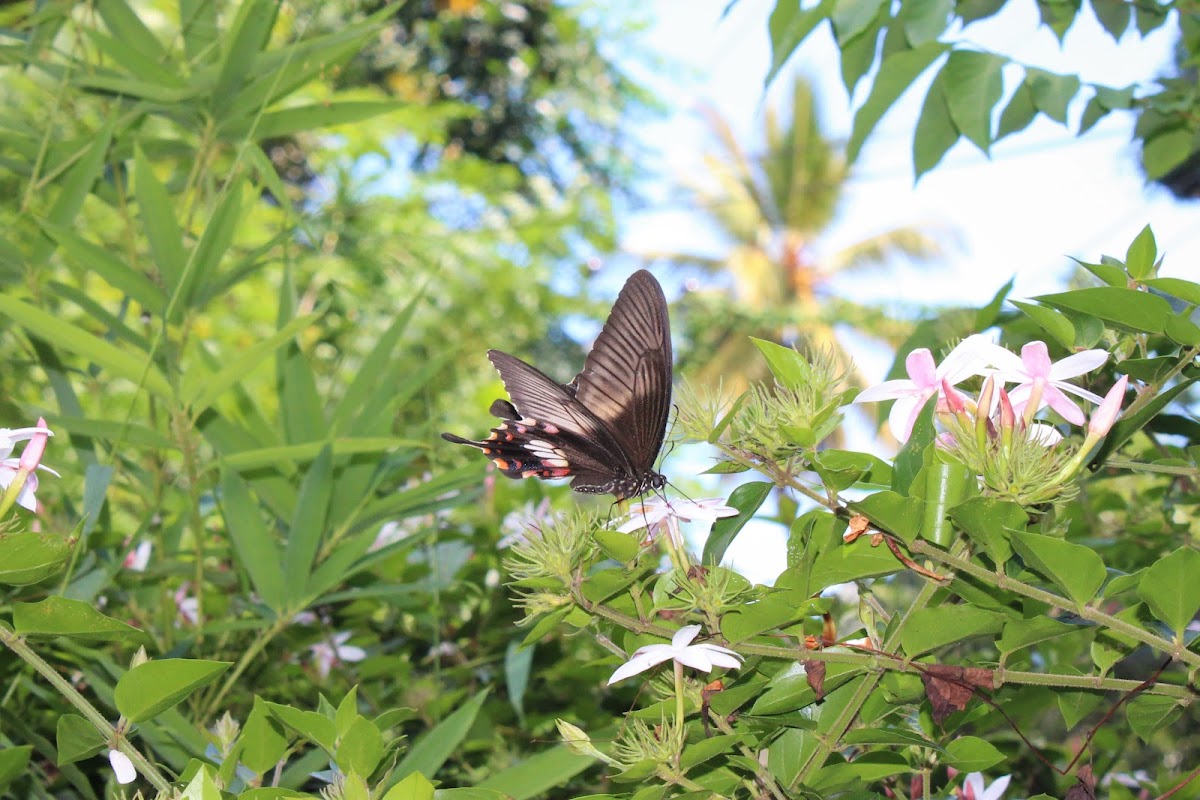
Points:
(772, 209)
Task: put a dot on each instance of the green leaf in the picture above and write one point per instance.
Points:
(1052, 93)
(947, 482)
(158, 218)
(971, 754)
(27, 558)
(59, 616)
(1108, 647)
(618, 546)
(925, 20)
(361, 748)
(706, 749)
(767, 614)
(1182, 330)
(313, 726)
(1021, 633)
(1051, 321)
(972, 86)
(867, 768)
(936, 132)
(1075, 569)
(789, 367)
(892, 512)
(313, 116)
(307, 528)
(841, 469)
(518, 665)
(1114, 15)
(248, 35)
(76, 739)
(14, 762)
(852, 18)
(202, 267)
(60, 333)
(415, 787)
(1110, 274)
(262, 740)
(988, 521)
(911, 458)
(430, 751)
(1131, 310)
(1187, 291)
(930, 628)
(198, 23)
(76, 185)
(1075, 705)
(1019, 112)
(201, 389)
(1165, 151)
(858, 55)
(1148, 714)
(1171, 588)
(896, 74)
(253, 542)
(747, 499)
(127, 28)
(849, 562)
(1141, 255)
(149, 689)
(108, 266)
(975, 10)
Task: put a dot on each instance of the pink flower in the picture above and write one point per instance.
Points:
(1102, 421)
(25, 468)
(138, 558)
(925, 379)
(327, 654)
(697, 656)
(1042, 383)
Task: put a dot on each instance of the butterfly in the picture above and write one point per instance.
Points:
(603, 429)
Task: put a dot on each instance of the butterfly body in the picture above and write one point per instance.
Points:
(603, 429)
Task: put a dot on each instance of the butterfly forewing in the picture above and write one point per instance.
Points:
(626, 379)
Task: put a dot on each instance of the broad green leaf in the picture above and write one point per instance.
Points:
(14, 761)
(308, 526)
(911, 458)
(850, 562)
(1109, 646)
(135, 63)
(947, 483)
(858, 55)
(430, 751)
(1139, 312)
(518, 664)
(1110, 274)
(361, 748)
(1181, 329)
(930, 628)
(769, 613)
(125, 26)
(62, 334)
(59, 616)
(1148, 714)
(788, 752)
(1075, 705)
(704, 750)
(841, 469)
(988, 315)
(96, 480)
(1187, 291)
(925, 20)
(971, 754)
(149, 689)
(415, 787)
(896, 74)
(747, 499)
(253, 541)
(75, 186)
(1018, 113)
(988, 521)
(936, 132)
(1052, 93)
(1021, 633)
(852, 18)
(198, 23)
(787, 365)
(1114, 15)
(892, 512)
(312, 725)
(1051, 321)
(534, 775)
(356, 397)
(202, 786)
(158, 219)
(76, 739)
(972, 87)
(27, 558)
(789, 689)
(262, 740)
(618, 546)
(867, 768)
(1171, 588)
(789, 25)
(1166, 151)
(108, 266)
(1141, 255)
(1075, 569)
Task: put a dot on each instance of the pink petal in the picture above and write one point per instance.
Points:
(1102, 421)
(920, 367)
(1036, 359)
(973, 785)
(904, 415)
(888, 390)
(1054, 398)
(1078, 364)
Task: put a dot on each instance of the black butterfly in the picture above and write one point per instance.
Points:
(605, 427)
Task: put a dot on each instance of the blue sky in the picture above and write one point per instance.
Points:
(1043, 195)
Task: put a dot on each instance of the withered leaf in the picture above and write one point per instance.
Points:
(950, 688)
(1085, 787)
(815, 672)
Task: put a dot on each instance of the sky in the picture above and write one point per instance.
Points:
(1043, 195)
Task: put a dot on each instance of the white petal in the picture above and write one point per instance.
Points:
(888, 390)
(1047, 435)
(1071, 388)
(973, 785)
(122, 767)
(996, 790)
(642, 660)
(903, 415)
(348, 652)
(1077, 364)
(722, 657)
(683, 637)
(972, 356)
(696, 658)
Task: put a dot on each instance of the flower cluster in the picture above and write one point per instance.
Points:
(995, 435)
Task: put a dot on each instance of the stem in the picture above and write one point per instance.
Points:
(679, 711)
(1175, 649)
(257, 645)
(118, 741)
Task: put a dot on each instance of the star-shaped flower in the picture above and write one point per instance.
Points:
(654, 512)
(697, 656)
(973, 788)
(1041, 382)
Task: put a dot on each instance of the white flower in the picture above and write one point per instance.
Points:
(328, 653)
(122, 767)
(138, 558)
(651, 513)
(517, 526)
(697, 656)
(187, 608)
(974, 789)
(10, 436)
